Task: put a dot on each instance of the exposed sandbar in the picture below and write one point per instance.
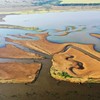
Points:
(95, 35)
(18, 72)
(41, 45)
(75, 66)
(11, 51)
(51, 48)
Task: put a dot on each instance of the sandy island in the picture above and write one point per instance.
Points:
(41, 45)
(18, 72)
(11, 51)
(95, 35)
(75, 66)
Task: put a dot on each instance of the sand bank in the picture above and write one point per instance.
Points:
(18, 72)
(11, 51)
(41, 45)
(95, 35)
(75, 66)
(51, 48)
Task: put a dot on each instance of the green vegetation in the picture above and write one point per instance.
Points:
(65, 75)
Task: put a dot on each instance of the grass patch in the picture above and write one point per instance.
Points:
(65, 75)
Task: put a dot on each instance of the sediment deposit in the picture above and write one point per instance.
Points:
(11, 51)
(18, 72)
(75, 66)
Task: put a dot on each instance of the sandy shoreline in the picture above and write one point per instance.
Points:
(10, 51)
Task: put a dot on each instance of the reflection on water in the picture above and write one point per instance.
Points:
(62, 27)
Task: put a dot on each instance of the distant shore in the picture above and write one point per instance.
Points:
(37, 9)
(42, 9)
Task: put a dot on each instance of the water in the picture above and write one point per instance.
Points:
(79, 35)
(55, 20)
(8, 33)
(62, 27)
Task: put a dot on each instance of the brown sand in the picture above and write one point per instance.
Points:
(71, 62)
(41, 45)
(86, 47)
(18, 72)
(11, 51)
(50, 48)
(95, 35)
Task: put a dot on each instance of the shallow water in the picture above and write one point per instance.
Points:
(78, 25)
(62, 27)
(81, 34)
(7, 33)
(54, 20)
